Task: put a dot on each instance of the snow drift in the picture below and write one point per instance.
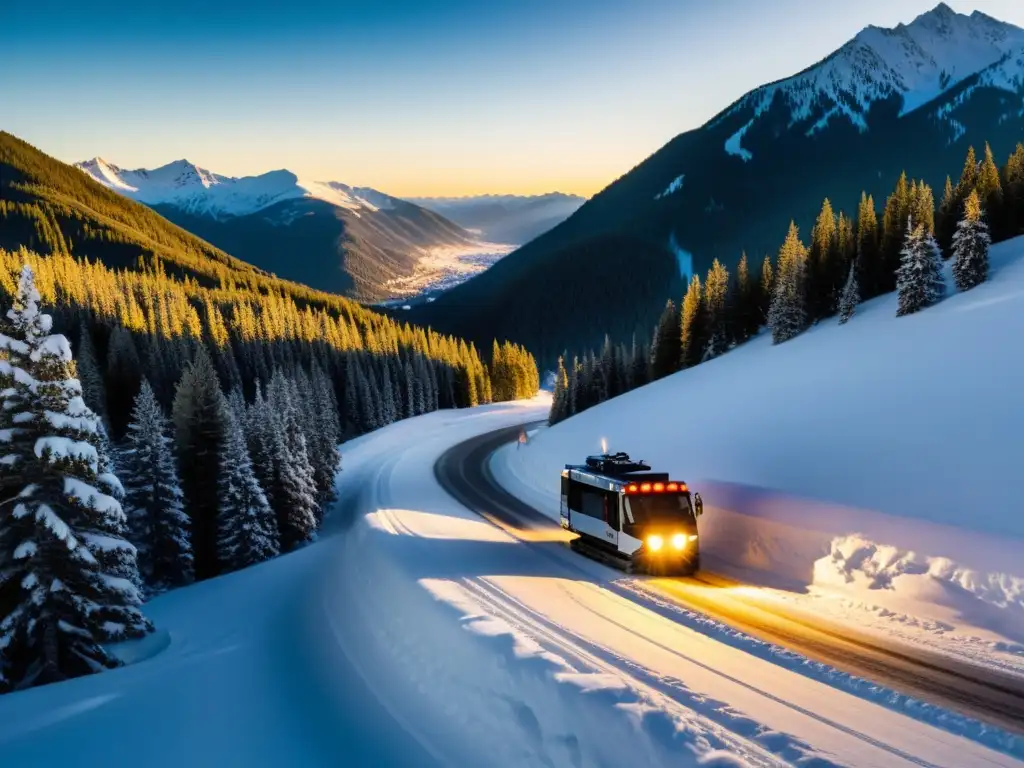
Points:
(876, 460)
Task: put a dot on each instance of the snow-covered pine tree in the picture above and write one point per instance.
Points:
(236, 402)
(919, 277)
(422, 393)
(294, 489)
(850, 298)
(560, 398)
(65, 566)
(246, 528)
(369, 402)
(410, 391)
(787, 314)
(970, 246)
(327, 435)
(199, 431)
(351, 403)
(261, 438)
(153, 497)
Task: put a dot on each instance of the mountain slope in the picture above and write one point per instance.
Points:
(888, 101)
(49, 207)
(334, 237)
(783, 445)
(513, 219)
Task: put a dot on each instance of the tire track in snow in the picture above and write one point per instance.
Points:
(463, 471)
(657, 681)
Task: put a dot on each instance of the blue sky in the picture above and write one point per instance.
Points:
(411, 97)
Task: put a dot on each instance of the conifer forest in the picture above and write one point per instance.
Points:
(848, 259)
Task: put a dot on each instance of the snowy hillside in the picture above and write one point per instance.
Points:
(202, 192)
(416, 633)
(914, 62)
(872, 467)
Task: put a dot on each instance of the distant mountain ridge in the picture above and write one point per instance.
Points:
(513, 219)
(355, 241)
(909, 98)
(201, 192)
(915, 63)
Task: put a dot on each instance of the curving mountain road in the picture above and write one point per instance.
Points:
(971, 690)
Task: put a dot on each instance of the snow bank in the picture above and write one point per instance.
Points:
(878, 459)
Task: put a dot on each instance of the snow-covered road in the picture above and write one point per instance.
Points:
(416, 632)
(523, 658)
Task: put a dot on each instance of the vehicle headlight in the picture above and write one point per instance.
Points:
(679, 540)
(654, 543)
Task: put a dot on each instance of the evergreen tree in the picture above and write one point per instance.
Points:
(745, 309)
(153, 497)
(788, 316)
(869, 264)
(693, 325)
(294, 487)
(990, 191)
(819, 264)
(922, 206)
(970, 246)
(968, 176)
(920, 274)
(894, 228)
(560, 398)
(945, 218)
(667, 346)
(259, 437)
(1013, 191)
(766, 292)
(577, 395)
(845, 253)
(326, 434)
(124, 372)
(246, 529)
(716, 293)
(93, 388)
(199, 437)
(638, 365)
(850, 298)
(66, 572)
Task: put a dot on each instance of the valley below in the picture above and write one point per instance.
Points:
(442, 268)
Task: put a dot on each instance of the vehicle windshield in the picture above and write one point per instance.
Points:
(670, 508)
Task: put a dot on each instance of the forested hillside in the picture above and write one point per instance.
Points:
(848, 258)
(191, 425)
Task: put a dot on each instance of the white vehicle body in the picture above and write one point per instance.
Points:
(633, 517)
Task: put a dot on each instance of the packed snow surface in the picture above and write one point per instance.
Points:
(416, 633)
(199, 191)
(914, 62)
(871, 469)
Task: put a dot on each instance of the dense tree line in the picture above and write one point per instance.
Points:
(847, 260)
(192, 431)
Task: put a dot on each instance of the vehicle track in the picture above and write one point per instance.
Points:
(974, 691)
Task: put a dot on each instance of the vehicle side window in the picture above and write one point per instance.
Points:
(575, 497)
(613, 510)
(593, 504)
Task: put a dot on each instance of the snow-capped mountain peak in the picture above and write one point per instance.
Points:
(915, 62)
(197, 190)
